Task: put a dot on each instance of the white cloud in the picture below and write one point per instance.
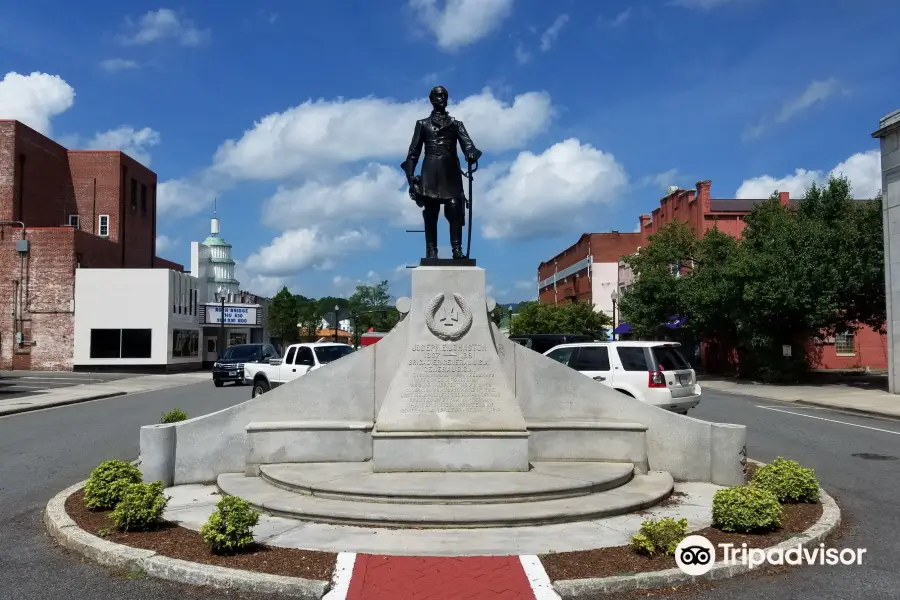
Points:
(136, 143)
(459, 23)
(863, 169)
(163, 25)
(114, 65)
(660, 180)
(621, 18)
(34, 99)
(164, 243)
(530, 284)
(185, 197)
(324, 133)
(523, 56)
(299, 249)
(548, 38)
(379, 192)
(261, 285)
(543, 194)
(816, 92)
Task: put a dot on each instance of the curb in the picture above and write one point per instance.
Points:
(66, 532)
(865, 412)
(24, 409)
(590, 588)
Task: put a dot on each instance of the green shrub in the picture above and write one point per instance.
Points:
(746, 509)
(141, 507)
(174, 415)
(107, 482)
(230, 527)
(789, 481)
(659, 536)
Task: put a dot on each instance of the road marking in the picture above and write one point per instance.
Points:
(343, 572)
(829, 420)
(537, 576)
(60, 378)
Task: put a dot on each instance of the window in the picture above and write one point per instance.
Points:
(105, 343)
(185, 343)
(74, 221)
(136, 343)
(143, 198)
(592, 358)
(845, 344)
(211, 345)
(304, 356)
(327, 354)
(103, 225)
(235, 338)
(134, 193)
(633, 358)
(120, 343)
(270, 350)
(562, 355)
(668, 358)
(289, 359)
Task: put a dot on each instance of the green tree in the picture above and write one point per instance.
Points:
(284, 315)
(498, 314)
(371, 306)
(310, 319)
(572, 317)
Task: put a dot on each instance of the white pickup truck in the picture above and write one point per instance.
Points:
(299, 360)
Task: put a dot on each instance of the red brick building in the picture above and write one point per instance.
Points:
(61, 210)
(863, 348)
(587, 271)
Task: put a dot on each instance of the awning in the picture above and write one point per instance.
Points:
(676, 321)
(622, 329)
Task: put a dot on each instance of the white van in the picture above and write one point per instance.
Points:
(653, 372)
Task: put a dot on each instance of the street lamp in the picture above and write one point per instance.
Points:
(336, 309)
(614, 295)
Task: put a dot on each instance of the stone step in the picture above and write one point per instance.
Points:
(357, 482)
(643, 491)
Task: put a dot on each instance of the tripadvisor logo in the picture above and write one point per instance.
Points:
(696, 555)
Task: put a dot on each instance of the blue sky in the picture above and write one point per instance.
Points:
(296, 115)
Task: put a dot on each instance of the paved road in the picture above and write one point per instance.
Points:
(45, 451)
(20, 384)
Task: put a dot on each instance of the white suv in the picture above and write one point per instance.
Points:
(653, 372)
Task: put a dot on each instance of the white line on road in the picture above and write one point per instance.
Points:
(343, 573)
(60, 378)
(537, 577)
(829, 420)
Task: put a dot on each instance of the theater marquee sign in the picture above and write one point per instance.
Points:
(235, 315)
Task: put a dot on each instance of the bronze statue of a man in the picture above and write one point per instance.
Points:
(441, 180)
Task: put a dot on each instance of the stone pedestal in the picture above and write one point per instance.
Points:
(449, 407)
(889, 134)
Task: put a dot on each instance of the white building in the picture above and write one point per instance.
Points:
(136, 319)
(212, 264)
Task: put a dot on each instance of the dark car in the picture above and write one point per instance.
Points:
(541, 342)
(230, 366)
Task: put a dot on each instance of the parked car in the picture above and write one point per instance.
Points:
(230, 366)
(299, 359)
(653, 372)
(541, 342)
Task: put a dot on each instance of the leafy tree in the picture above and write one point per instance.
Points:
(574, 317)
(284, 315)
(498, 314)
(371, 306)
(310, 319)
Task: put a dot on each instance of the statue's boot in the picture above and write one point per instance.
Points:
(456, 240)
(431, 246)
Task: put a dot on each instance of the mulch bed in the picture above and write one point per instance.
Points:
(622, 560)
(178, 542)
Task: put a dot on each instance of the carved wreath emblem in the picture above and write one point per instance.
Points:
(446, 322)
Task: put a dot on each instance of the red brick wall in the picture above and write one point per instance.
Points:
(44, 283)
(603, 247)
(870, 351)
(162, 263)
(37, 189)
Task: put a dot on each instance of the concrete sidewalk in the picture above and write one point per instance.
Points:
(96, 391)
(837, 396)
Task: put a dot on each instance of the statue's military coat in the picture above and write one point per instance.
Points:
(441, 177)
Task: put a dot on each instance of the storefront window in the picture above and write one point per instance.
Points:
(235, 338)
(185, 343)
